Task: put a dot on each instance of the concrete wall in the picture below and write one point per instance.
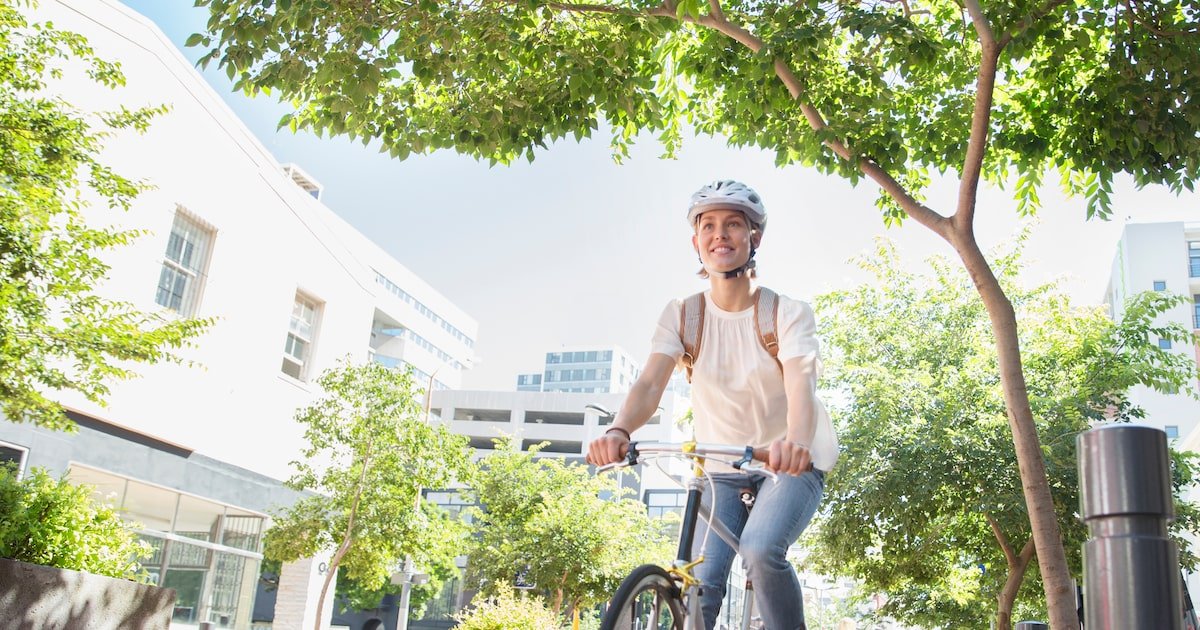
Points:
(124, 452)
(34, 597)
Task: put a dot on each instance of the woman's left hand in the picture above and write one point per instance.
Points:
(789, 457)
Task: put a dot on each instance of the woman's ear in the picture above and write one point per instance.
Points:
(755, 238)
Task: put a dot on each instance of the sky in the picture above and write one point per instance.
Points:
(575, 250)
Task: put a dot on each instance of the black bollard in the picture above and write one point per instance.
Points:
(1130, 564)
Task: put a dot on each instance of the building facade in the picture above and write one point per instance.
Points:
(195, 452)
(592, 370)
(1161, 257)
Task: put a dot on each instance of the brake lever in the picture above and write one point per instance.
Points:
(760, 469)
(608, 467)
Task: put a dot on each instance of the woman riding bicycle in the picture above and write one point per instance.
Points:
(742, 395)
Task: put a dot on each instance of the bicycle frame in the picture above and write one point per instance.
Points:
(694, 510)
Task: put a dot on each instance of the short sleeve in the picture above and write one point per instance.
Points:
(797, 330)
(666, 333)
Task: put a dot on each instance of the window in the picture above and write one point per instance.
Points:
(591, 356)
(551, 376)
(577, 375)
(1194, 259)
(1172, 431)
(13, 454)
(1165, 344)
(302, 332)
(1196, 311)
(590, 375)
(606, 355)
(551, 357)
(1160, 285)
(184, 265)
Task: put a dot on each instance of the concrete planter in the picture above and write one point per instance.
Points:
(35, 597)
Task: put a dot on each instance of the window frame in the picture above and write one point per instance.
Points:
(183, 223)
(304, 364)
(22, 461)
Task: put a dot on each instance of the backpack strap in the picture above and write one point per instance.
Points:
(691, 330)
(766, 314)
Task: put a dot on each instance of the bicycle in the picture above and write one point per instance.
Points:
(652, 597)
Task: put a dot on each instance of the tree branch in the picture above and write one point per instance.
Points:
(717, 21)
(1009, 557)
(1129, 4)
(1029, 21)
(982, 26)
(714, 6)
(915, 209)
(981, 118)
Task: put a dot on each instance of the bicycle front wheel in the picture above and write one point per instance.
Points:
(647, 600)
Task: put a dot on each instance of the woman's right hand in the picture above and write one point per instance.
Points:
(607, 448)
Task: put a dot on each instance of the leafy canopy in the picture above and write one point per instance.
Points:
(369, 454)
(56, 332)
(1090, 87)
(928, 476)
(549, 522)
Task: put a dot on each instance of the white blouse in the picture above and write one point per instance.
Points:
(738, 396)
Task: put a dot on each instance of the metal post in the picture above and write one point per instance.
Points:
(1130, 565)
(405, 578)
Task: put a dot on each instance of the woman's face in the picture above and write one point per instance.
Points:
(723, 239)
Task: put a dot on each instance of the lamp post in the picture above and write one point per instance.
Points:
(405, 578)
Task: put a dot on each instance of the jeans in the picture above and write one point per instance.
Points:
(781, 512)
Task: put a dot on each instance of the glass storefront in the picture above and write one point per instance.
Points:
(207, 551)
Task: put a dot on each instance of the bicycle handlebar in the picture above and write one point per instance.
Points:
(744, 455)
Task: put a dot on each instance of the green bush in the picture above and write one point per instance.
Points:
(507, 610)
(57, 524)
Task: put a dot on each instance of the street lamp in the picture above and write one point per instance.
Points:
(405, 578)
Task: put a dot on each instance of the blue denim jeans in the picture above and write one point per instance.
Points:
(780, 514)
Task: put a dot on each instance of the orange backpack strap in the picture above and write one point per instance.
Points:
(766, 314)
(691, 330)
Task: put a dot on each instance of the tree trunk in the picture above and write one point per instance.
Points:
(1012, 584)
(1052, 559)
(329, 573)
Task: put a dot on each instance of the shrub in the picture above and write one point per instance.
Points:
(507, 610)
(57, 524)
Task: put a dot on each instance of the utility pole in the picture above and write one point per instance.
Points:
(406, 577)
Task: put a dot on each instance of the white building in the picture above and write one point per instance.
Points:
(194, 453)
(1161, 257)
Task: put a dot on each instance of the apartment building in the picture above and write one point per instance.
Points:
(194, 453)
(592, 370)
(1161, 257)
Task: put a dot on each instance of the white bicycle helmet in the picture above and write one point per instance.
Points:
(727, 193)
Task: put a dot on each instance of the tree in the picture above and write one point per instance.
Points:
(1003, 91)
(926, 504)
(369, 454)
(56, 523)
(547, 521)
(56, 332)
(505, 610)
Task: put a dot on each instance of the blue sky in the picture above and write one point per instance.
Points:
(576, 250)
